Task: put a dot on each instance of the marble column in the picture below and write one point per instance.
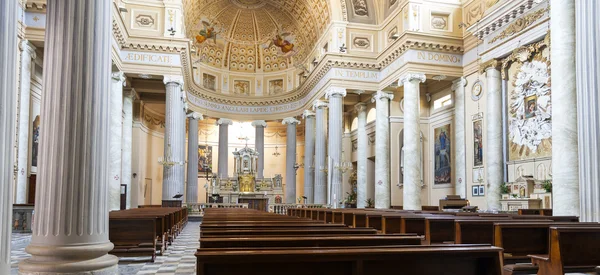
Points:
(309, 155)
(116, 140)
(412, 140)
(191, 190)
(70, 229)
(290, 159)
(27, 57)
(223, 147)
(174, 176)
(460, 158)
(259, 126)
(361, 156)
(382, 149)
(8, 104)
(320, 192)
(494, 159)
(129, 96)
(588, 100)
(336, 96)
(565, 158)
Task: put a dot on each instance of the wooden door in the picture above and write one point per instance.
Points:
(31, 193)
(123, 196)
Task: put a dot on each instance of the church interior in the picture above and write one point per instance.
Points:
(299, 137)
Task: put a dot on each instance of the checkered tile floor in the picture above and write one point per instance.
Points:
(179, 258)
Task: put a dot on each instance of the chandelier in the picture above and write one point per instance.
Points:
(344, 166)
(276, 153)
(167, 160)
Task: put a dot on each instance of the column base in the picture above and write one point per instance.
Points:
(70, 260)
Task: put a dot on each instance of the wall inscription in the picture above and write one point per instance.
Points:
(150, 58)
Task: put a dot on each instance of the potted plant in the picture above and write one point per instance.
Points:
(547, 185)
(504, 190)
(370, 203)
(350, 201)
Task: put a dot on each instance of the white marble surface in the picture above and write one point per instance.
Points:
(27, 57)
(382, 150)
(309, 155)
(260, 126)
(174, 176)
(223, 147)
(493, 156)
(588, 100)
(116, 139)
(565, 159)
(126, 146)
(412, 140)
(361, 156)
(460, 159)
(320, 192)
(334, 144)
(8, 82)
(191, 188)
(71, 210)
(290, 159)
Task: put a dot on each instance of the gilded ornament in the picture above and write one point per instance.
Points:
(519, 25)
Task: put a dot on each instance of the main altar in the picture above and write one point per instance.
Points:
(245, 186)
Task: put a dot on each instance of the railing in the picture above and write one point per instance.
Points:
(281, 208)
(22, 218)
(197, 209)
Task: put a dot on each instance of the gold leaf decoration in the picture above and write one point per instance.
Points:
(519, 25)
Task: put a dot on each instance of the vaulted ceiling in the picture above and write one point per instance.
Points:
(254, 35)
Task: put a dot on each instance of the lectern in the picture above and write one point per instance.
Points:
(173, 203)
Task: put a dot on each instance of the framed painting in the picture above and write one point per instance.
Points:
(478, 143)
(481, 190)
(475, 190)
(204, 159)
(442, 155)
(209, 81)
(276, 87)
(241, 87)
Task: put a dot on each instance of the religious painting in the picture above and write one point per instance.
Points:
(478, 143)
(204, 159)
(241, 87)
(276, 87)
(208, 31)
(209, 81)
(284, 41)
(530, 109)
(443, 166)
(530, 106)
(35, 140)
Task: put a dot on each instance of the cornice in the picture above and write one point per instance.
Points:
(501, 14)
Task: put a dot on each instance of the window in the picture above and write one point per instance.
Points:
(442, 102)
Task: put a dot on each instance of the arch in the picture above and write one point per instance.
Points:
(371, 115)
(354, 124)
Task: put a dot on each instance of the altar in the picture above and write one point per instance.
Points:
(244, 186)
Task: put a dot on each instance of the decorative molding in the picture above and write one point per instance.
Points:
(144, 20)
(320, 104)
(224, 121)
(523, 53)
(173, 79)
(307, 113)
(361, 42)
(118, 77)
(380, 95)
(259, 123)
(519, 25)
(490, 64)
(333, 91)
(409, 77)
(290, 120)
(25, 45)
(195, 116)
(360, 107)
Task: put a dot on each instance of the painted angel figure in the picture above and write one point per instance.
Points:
(284, 41)
(207, 33)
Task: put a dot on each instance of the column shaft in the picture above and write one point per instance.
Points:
(174, 176)
(361, 156)
(191, 191)
(382, 150)
(27, 57)
(70, 230)
(223, 146)
(132, 193)
(309, 157)
(290, 159)
(8, 100)
(320, 191)
(259, 126)
(588, 85)
(335, 96)
(460, 160)
(565, 160)
(494, 170)
(116, 140)
(412, 141)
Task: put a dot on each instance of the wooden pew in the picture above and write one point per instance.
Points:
(309, 241)
(127, 235)
(473, 231)
(464, 260)
(296, 231)
(572, 249)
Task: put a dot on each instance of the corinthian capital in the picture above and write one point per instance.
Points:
(173, 79)
(490, 64)
(332, 91)
(224, 121)
(290, 120)
(459, 82)
(412, 77)
(381, 95)
(26, 46)
(307, 113)
(320, 104)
